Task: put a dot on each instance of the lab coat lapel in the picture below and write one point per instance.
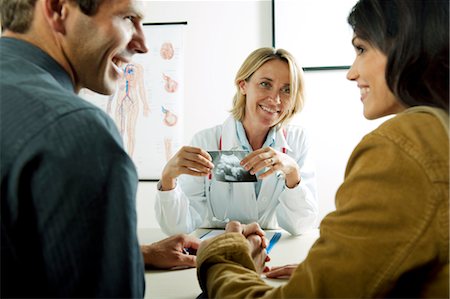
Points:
(281, 140)
(229, 136)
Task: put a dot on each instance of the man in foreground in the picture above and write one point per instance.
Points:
(68, 188)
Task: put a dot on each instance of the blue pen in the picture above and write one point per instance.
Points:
(273, 241)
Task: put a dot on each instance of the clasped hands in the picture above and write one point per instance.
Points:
(257, 245)
(257, 241)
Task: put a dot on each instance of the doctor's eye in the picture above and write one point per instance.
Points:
(286, 90)
(265, 84)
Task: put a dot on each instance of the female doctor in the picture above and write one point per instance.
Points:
(269, 93)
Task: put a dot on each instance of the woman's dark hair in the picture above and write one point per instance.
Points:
(414, 35)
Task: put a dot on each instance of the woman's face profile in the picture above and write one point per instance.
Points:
(368, 70)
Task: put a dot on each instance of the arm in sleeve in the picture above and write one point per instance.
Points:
(177, 212)
(183, 209)
(225, 269)
(357, 238)
(298, 209)
(378, 225)
(84, 189)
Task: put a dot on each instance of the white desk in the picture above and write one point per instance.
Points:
(177, 284)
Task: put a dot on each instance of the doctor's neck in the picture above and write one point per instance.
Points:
(256, 135)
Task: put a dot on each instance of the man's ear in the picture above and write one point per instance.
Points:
(56, 12)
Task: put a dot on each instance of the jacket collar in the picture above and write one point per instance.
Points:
(19, 48)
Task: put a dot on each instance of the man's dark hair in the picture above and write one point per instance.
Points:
(17, 15)
(89, 7)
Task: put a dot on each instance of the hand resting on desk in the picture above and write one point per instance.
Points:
(170, 252)
(280, 271)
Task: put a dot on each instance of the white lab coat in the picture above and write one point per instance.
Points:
(203, 202)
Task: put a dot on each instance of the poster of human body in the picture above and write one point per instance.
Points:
(147, 105)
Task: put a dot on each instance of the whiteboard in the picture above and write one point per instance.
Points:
(147, 105)
(316, 32)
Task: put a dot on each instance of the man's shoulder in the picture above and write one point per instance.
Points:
(36, 114)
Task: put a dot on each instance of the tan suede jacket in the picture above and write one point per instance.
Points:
(389, 235)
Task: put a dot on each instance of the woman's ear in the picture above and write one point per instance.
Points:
(56, 12)
(243, 86)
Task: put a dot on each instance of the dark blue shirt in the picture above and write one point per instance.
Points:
(68, 188)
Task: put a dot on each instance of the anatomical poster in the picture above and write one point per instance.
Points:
(147, 105)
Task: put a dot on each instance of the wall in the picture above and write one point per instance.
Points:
(220, 34)
(333, 116)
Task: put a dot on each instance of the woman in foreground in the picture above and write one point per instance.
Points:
(389, 235)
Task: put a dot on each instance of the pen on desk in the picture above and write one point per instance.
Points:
(272, 242)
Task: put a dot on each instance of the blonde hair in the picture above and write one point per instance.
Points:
(252, 63)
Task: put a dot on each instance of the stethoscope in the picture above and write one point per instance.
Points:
(221, 222)
(215, 220)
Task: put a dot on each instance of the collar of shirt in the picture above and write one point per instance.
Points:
(19, 48)
(242, 137)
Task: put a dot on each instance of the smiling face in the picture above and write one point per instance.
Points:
(267, 94)
(97, 46)
(368, 70)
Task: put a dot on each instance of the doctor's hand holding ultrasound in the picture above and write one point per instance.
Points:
(253, 167)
